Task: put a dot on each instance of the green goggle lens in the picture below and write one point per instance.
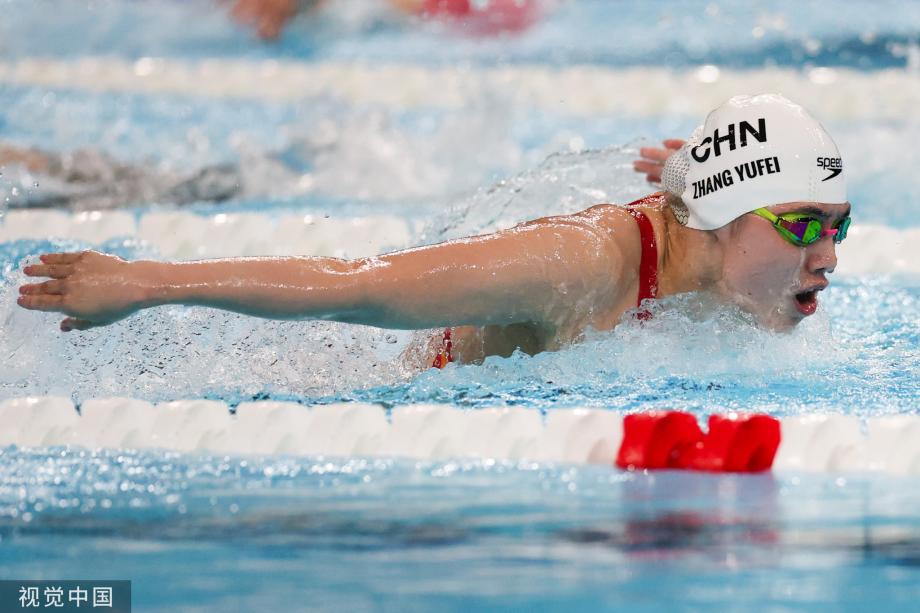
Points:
(842, 228)
(803, 230)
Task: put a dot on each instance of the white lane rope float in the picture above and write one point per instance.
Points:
(841, 93)
(732, 442)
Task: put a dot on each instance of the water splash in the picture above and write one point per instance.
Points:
(563, 183)
(177, 352)
(693, 354)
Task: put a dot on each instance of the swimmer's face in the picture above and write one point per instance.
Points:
(771, 278)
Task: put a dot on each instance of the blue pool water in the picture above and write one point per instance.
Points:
(219, 533)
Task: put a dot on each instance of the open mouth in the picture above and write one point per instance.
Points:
(807, 302)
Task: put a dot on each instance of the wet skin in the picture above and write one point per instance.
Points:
(760, 271)
(536, 286)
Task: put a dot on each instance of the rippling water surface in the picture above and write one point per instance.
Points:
(214, 533)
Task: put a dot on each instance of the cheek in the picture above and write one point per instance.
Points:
(760, 268)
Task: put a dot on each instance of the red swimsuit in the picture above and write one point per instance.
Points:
(648, 274)
(648, 265)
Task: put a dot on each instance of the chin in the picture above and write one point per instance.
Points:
(775, 319)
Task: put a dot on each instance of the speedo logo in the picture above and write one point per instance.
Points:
(834, 165)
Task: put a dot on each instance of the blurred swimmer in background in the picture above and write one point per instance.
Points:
(270, 17)
(360, 155)
(90, 180)
(752, 208)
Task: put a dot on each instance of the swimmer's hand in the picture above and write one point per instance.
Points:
(653, 159)
(268, 17)
(91, 288)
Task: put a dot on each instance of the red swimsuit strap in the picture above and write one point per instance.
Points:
(648, 265)
(445, 355)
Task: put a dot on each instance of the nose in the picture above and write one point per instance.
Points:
(822, 256)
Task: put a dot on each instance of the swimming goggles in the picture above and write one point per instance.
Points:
(801, 229)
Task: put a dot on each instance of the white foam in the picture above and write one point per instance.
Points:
(185, 235)
(645, 91)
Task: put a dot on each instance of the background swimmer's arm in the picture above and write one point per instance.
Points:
(543, 271)
(267, 17)
(33, 159)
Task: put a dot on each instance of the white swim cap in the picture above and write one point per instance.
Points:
(753, 152)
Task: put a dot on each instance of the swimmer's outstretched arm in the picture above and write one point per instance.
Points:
(543, 272)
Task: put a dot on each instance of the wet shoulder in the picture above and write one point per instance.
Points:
(615, 221)
(621, 227)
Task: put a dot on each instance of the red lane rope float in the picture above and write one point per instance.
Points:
(674, 440)
(654, 440)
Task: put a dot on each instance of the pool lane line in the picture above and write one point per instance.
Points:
(669, 440)
(841, 94)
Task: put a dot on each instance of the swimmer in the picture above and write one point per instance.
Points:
(92, 180)
(85, 179)
(269, 17)
(752, 208)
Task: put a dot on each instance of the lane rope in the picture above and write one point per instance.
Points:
(672, 440)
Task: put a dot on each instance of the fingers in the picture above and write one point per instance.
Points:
(55, 271)
(653, 159)
(655, 154)
(48, 287)
(73, 323)
(41, 302)
(652, 170)
(61, 258)
(658, 154)
(645, 166)
(54, 265)
(674, 143)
